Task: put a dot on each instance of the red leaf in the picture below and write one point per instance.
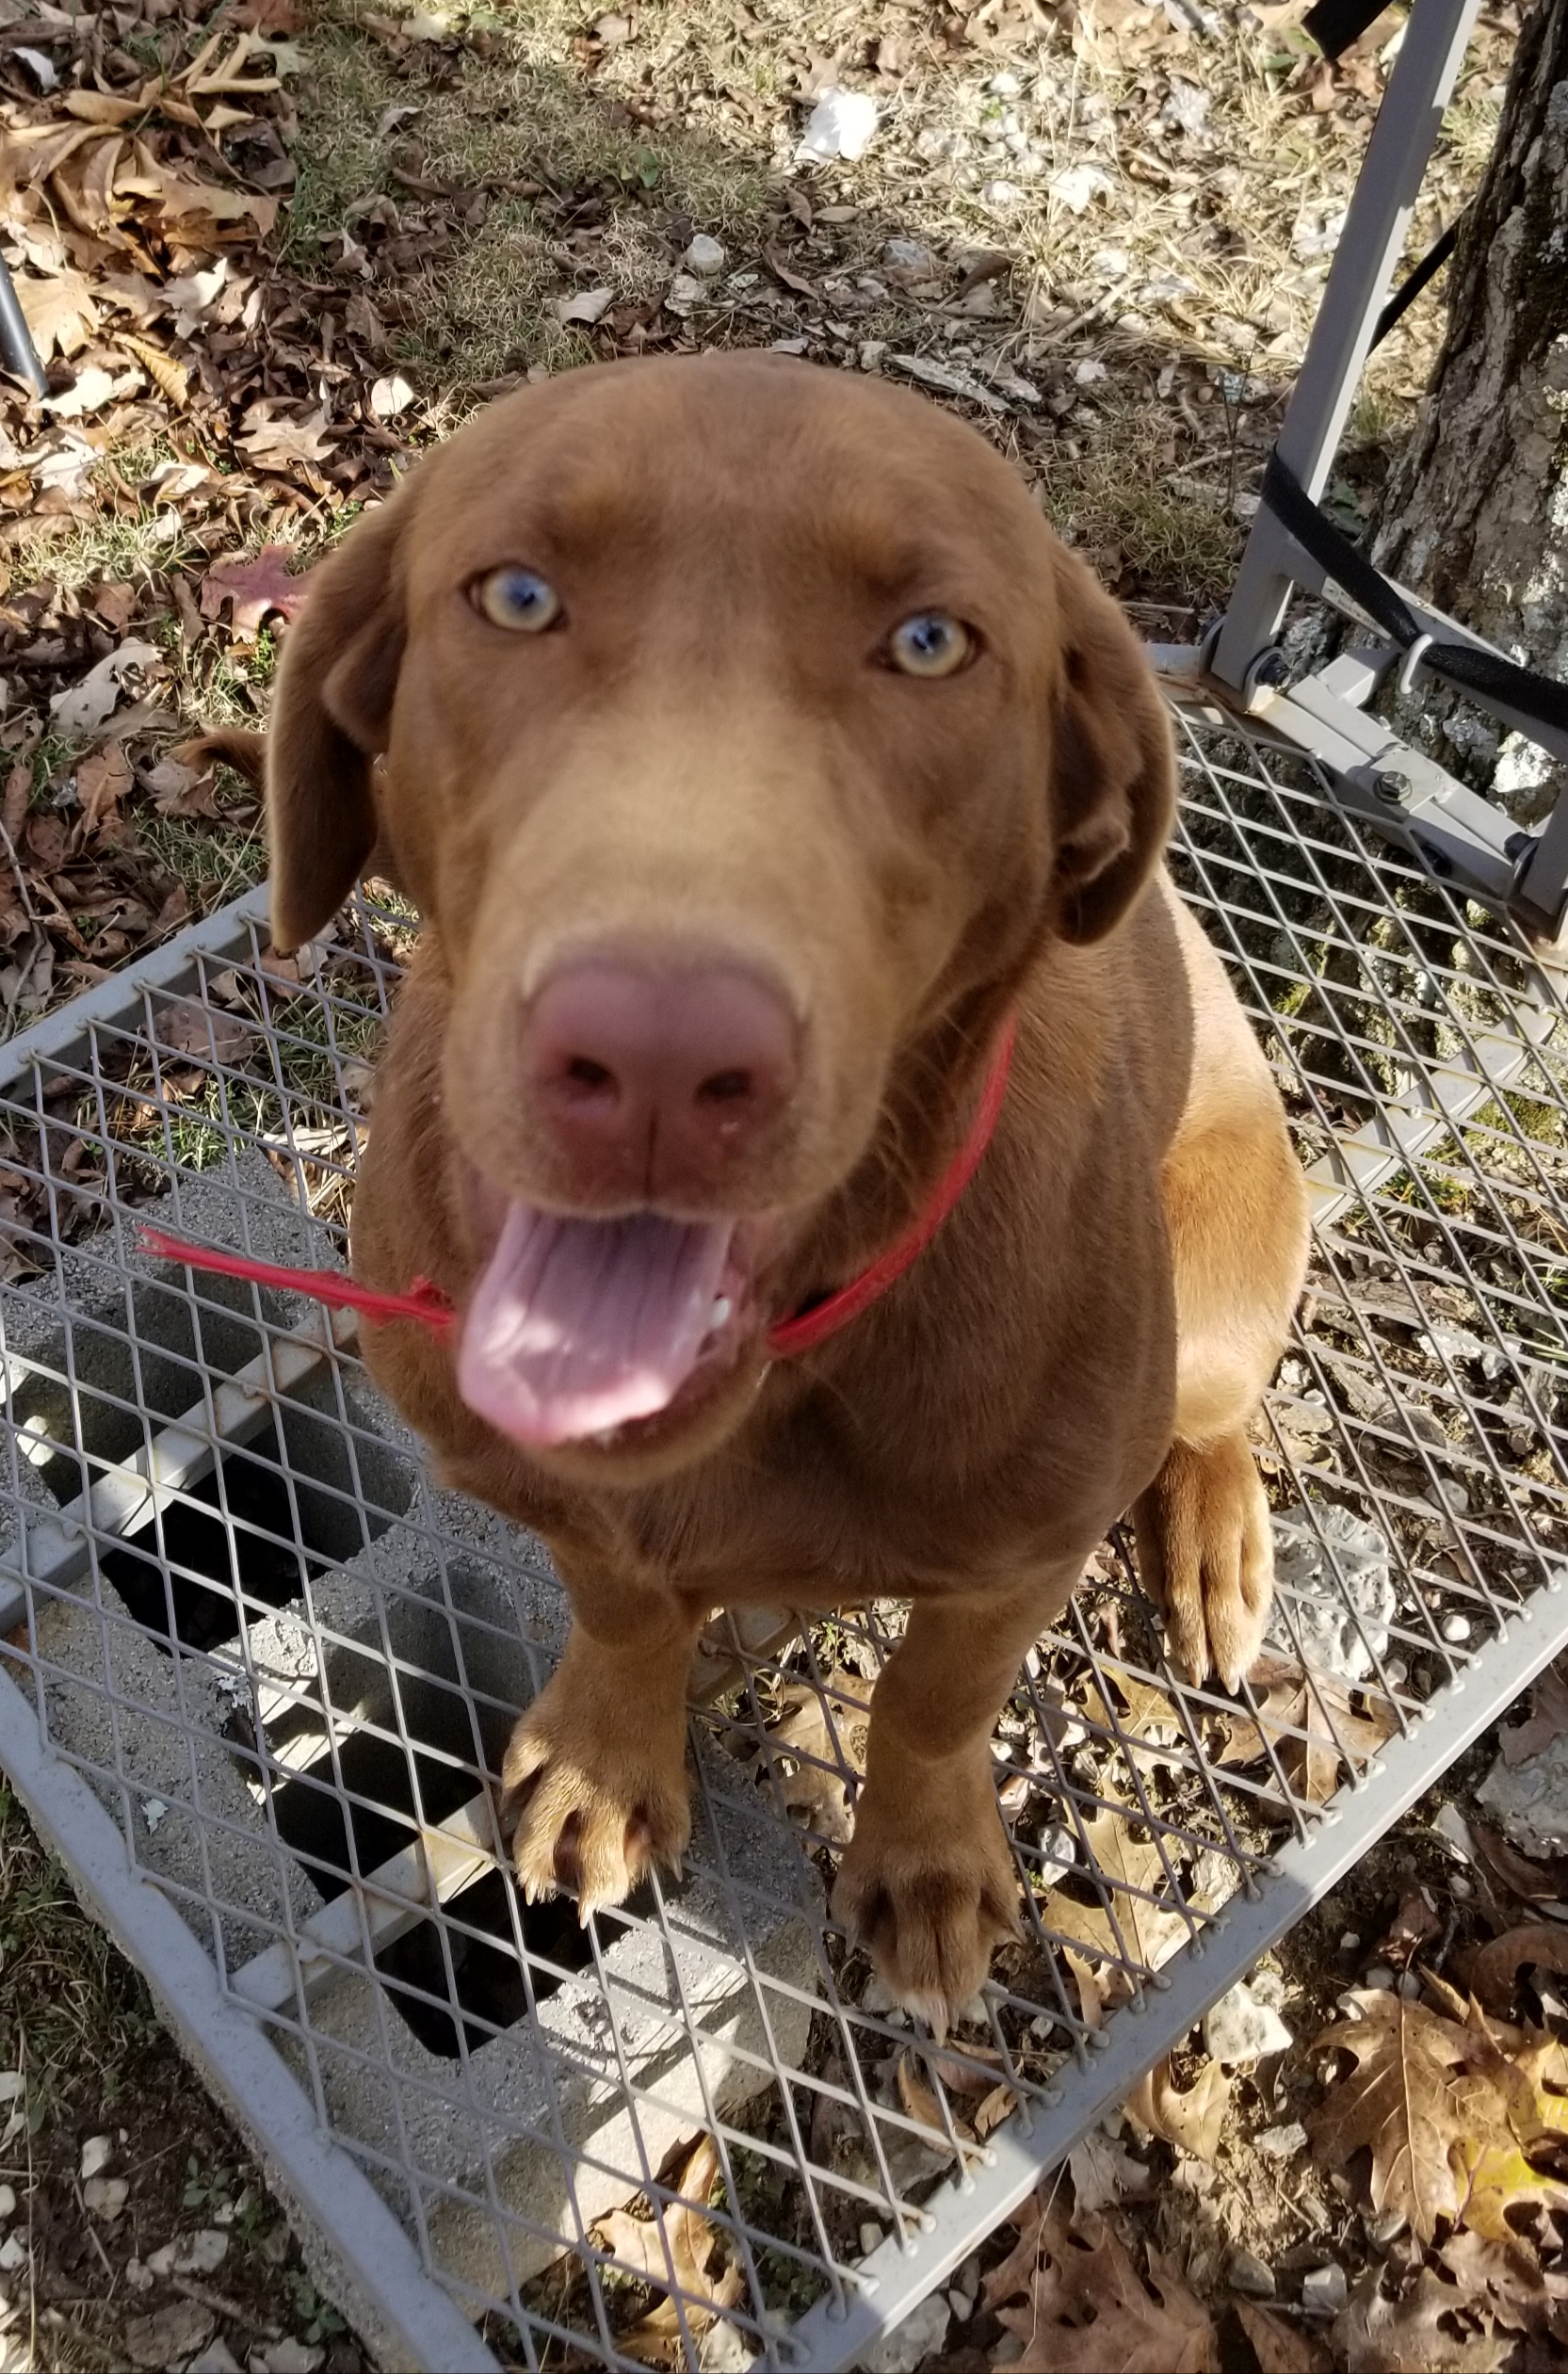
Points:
(255, 588)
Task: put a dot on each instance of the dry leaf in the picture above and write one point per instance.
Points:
(1281, 2348)
(1546, 1723)
(60, 312)
(1448, 2116)
(1309, 1720)
(781, 270)
(1149, 1932)
(1377, 2335)
(1495, 1968)
(102, 782)
(89, 703)
(256, 588)
(1413, 1925)
(688, 2238)
(1194, 2120)
(277, 445)
(820, 1734)
(1507, 2280)
(172, 379)
(187, 1028)
(1088, 2310)
(1104, 2173)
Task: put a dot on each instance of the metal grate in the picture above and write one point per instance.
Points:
(259, 1660)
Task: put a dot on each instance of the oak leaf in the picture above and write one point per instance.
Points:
(674, 2252)
(1309, 1720)
(820, 1734)
(1424, 2332)
(60, 311)
(1192, 2119)
(256, 587)
(1281, 2348)
(1089, 2311)
(1448, 2117)
(1495, 1970)
(277, 445)
(1144, 1932)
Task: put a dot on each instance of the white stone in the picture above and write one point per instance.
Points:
(961, 2304)
(683, 292)
(923, 2330)
(1455, 1629)
(1380, 1976)
(871, 353)
(588, 305)
(1239, 2028)
(1325, 2291)
(871, 2237)
(705, 256)
(97, 2152)
(1004, 86)
(7, 2200)
(1002, 194)
(1086, 374)
(842, 123)
(217, 2358)
(106, 2196)
(1340, 1626)
(14, 2253)
(1281, 2142)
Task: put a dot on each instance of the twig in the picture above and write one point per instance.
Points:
(221, 2305)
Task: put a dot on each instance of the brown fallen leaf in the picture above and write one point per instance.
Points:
(172, 379)
(1281, 2348)
(1309, 1720)
(13, 806)
(255, 588)
(102, 782)
(60, 311)
(1146, 1933)
(1089, 2311)
(278, 444)
(1194, 2120)
(921, 2104)
(1414, 1926)
(817, 1736)
(690, 2239)
(1448, 2117)
(1495, 1967)
(116, 604)
(1104, 2173)
(45, 840)
(187, 1028)
(1546, 1723)
(1149, 1716)
(1420, 2334)
(1508, 2281)
(782, 271)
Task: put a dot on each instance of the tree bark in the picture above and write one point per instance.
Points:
(1476, 514)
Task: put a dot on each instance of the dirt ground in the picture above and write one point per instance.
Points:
(270, 252)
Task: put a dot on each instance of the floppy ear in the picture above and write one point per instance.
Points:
(331, 709)
(1114, 777)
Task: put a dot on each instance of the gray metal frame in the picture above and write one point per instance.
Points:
(1388, 783)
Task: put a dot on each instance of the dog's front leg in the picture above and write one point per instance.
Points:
(927, 1884)
(596, 1767)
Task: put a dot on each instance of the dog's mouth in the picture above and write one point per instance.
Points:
(579, 1328)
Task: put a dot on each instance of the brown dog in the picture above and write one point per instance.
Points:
(752, 751)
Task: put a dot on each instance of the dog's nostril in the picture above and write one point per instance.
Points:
(724, 1087)
(584, 1072)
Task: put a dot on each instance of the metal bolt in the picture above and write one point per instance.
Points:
(1393, 787)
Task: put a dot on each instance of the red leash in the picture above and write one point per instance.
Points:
(428, 1305)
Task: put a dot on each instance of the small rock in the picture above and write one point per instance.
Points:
(1462, 1887)
(1281, 2142)
(140, 2278)
(391, 395)
(961, 2304)
(1077, 185)
(1386, 2228)
(1266, 1986)
(721, 2350)
(14, 2253)
(842, 123)
(1110, 264)
(289, 2356)
(199, 2253)
(705, 256)
(1249, 2275)
(685, 291)
(612, 30)
(1004, 86)
(8, 2201)
(877, 1999)
(1449, 1495)
(923, 2332)
(1330, 1617)
(1351, 1942)
(1325, 2291)
(1239, 2028)
(1454, 1629)
(106, 2196)
(97, 2152)
(1408, 1985)
(217, 2358)
(871, 2237)
(153, 1811)
(1379, 1976)
(171, 2336)
(968, 2276)
(871, 353)
(1000, 194)
(1086, 374)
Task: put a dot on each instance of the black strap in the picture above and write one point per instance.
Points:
(1539, 698)
(1415, 280)
(1333, 25)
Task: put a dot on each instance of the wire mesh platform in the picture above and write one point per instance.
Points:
(259, 1668)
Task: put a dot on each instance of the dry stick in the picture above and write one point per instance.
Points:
(219, 2304)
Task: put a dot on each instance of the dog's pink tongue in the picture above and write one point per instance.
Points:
(577, 1326)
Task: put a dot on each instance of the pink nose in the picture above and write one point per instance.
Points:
(655, 1081)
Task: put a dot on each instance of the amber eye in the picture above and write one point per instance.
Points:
(930, 644)
(517, 599)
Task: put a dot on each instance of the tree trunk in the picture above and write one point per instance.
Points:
(1476, 514)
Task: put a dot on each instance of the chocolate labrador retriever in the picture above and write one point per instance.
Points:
(763, 770)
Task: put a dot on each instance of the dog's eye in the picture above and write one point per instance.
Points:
(930, 644)
(517, 599)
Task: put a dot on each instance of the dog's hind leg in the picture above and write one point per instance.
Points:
(1237, 1208)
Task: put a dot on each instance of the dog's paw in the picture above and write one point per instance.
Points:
(1206, 1558)
(600, 1793)
(927, 1888)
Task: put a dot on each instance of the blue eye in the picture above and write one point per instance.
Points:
(930, 644)
(517, 599)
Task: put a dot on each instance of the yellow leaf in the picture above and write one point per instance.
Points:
(170, 377)
(1495, 2178)
(1138, 1933)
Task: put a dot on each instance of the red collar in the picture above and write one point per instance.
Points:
(428, 1305)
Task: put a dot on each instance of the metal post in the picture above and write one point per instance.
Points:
(1436, 36)
(17, 350)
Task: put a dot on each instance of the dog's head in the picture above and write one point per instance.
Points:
(746, 734)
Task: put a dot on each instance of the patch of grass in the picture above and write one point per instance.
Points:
(212, 862)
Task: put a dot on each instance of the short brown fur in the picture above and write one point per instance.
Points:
(711, 751)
